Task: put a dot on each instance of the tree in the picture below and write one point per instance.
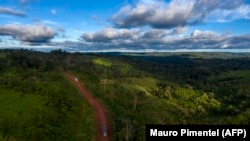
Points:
(49, 65)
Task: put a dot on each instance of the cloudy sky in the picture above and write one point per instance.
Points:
(121, 25)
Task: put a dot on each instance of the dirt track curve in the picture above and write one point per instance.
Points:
(100, 112)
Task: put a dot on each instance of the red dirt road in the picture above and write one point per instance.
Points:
(101, 114)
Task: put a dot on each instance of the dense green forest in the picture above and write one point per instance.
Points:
(38, 103)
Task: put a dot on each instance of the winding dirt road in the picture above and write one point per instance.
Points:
(101, 115)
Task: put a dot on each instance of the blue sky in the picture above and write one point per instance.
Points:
(122, 25)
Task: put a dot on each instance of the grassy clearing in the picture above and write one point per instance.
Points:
(139, 84)
(100, 61)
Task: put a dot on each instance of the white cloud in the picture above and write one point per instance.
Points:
(110, 34)
(156, 39)
(179, 30)
(203, 34)
(9, 11)
(28, 34)
(178, 13)
(224, 15)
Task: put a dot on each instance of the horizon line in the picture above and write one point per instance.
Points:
(71, 50)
